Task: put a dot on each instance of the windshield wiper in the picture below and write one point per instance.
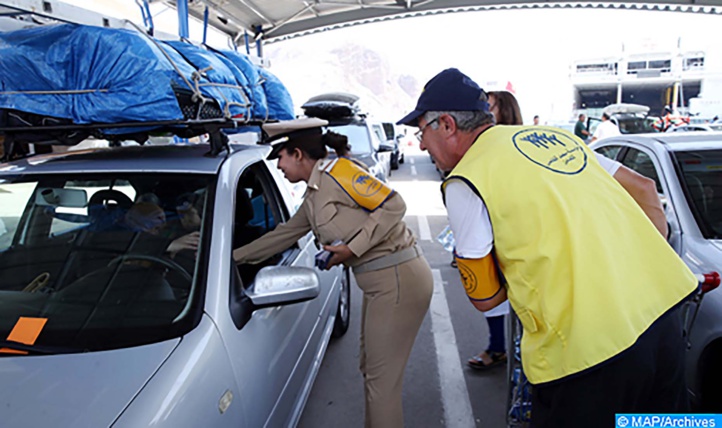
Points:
(33, 349)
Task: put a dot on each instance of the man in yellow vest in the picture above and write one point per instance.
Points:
(592, 279)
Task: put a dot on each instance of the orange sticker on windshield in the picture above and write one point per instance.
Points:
(26, 331)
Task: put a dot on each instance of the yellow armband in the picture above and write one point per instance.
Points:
(364, 189)
(479, 276)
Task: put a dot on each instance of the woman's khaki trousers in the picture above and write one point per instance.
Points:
(394, 305)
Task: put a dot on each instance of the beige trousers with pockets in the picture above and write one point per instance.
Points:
(394, 305)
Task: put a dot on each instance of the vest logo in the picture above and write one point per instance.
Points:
(555, 151)
(468, 278)
(365, 185)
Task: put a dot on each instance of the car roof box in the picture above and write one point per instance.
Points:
(624, 108)
(333, 105)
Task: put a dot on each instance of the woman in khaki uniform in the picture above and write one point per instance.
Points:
(342, 202)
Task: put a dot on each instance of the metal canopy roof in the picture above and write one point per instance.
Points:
(275, 20)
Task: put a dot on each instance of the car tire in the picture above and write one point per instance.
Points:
(401, 158)
(343, 312)
(711, 376)
(395, 163)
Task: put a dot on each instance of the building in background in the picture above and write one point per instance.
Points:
(689, 81)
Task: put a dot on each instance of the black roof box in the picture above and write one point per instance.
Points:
(333, 105)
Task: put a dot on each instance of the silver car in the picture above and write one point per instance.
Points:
(120, 304)
(687, 168)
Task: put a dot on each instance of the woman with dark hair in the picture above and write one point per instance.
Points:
(505, 108)
(343, 203)
(506, 111)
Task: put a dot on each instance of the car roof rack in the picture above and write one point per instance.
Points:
(69, 134)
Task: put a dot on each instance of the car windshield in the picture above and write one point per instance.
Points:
(358, 137)
(702, 179)
(100, 262)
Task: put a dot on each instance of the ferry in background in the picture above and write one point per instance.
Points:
(688, 81)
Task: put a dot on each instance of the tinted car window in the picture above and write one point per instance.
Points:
(701, 172)
(258, 210)
(103, 270)
(609, 151)
(640, 162)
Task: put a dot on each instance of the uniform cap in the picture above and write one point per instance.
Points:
(280, 133)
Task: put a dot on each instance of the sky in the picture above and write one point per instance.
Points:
(533, 49)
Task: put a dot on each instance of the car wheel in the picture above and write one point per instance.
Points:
(401, 158)
(711, 377)
(395, 163)
(343, 312)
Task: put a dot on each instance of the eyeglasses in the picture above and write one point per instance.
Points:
(420, 133)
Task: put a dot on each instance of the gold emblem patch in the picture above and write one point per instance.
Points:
(364, 189)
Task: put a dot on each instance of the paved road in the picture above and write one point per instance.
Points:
(440, 390)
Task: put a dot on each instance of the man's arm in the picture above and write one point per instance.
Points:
(644, 192)
(470, 222)
(490, 304)
(481, 281)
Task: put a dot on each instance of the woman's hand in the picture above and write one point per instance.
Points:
(341, 253)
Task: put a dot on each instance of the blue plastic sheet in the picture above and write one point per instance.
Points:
(259, 109)
(120, 75)
(280, 104)
(102, 75)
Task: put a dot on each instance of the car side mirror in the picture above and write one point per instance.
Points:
(283, 285)
(383, 147)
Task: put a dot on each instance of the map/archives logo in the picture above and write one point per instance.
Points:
(677, 420)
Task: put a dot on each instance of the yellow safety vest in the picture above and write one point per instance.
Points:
(587, 271)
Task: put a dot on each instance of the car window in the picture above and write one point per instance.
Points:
(108, 262)
(389, 131)
(258, 209)
(592, 124)
(15, 197)
(701, 178)
(610, 152)
(642, 163)
(69, 218)
(379, 132)
(358, 137)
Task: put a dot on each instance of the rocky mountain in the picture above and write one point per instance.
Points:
(307, 71)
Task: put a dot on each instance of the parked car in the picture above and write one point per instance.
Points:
(630, 118)
(345, 117)
(687, 168)
(106, 319)
(696, 127)
(394, 137)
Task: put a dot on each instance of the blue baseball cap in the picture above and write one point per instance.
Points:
(450, 90)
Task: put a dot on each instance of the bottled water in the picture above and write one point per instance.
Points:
(446, 239)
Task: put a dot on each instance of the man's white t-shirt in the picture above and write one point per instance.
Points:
(468, 212)
(606, 129)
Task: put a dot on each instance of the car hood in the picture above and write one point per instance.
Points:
(90, 389)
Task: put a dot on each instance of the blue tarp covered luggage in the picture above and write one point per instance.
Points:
(98, 75)
(87, 75)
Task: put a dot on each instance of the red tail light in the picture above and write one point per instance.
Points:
(709, 281)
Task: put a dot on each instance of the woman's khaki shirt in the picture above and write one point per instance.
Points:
(332, 214)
